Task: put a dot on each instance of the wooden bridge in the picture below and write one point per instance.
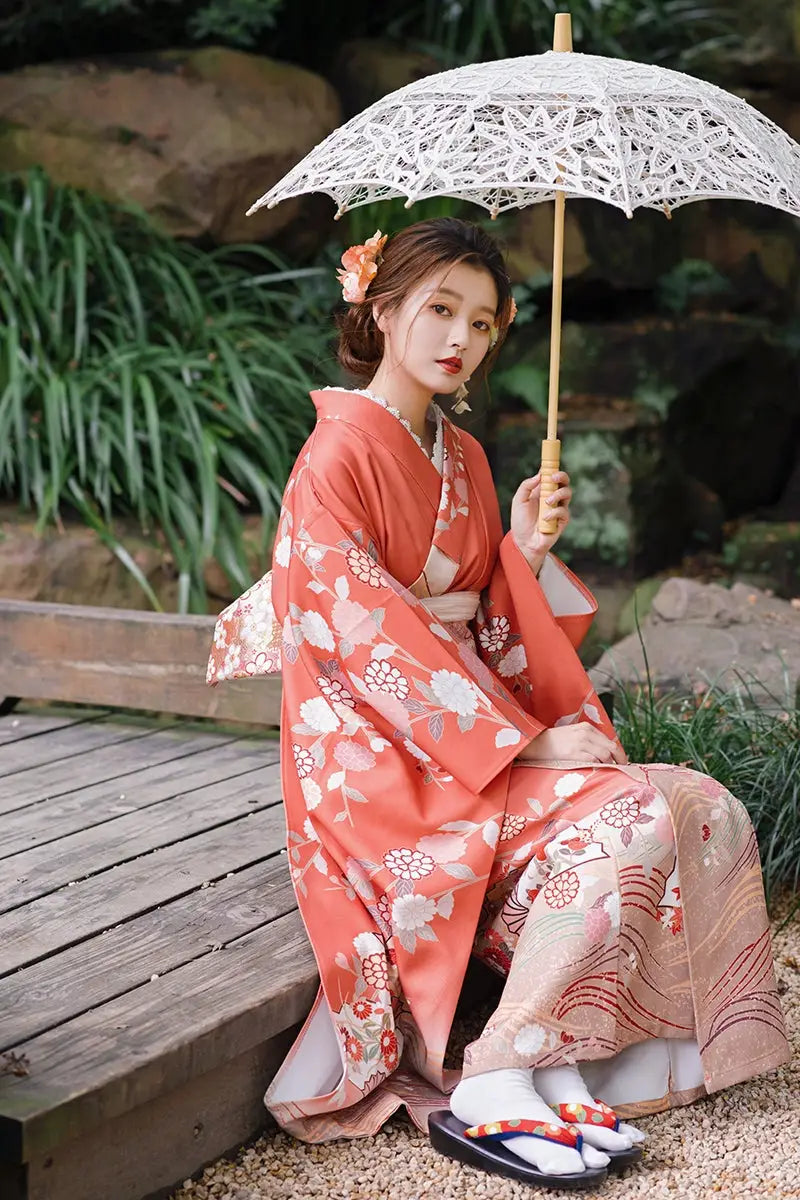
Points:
(153, 965)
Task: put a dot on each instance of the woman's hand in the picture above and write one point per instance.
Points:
(580, 741)
(525, 517)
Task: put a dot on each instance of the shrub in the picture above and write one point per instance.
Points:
(142, 376)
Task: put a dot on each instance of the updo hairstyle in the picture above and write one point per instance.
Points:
(408, 258)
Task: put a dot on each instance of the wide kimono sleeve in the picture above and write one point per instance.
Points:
(362, 654)
(528, 628)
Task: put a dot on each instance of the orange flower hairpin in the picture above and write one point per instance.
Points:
(360, 266)
(494, 332)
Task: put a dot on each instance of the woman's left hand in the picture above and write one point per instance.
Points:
(525, 517)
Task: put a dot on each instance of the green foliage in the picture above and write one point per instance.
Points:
(596, 471)
(527, 382)
(232, 22)
(141, 376)
(751, 749)
(668, 32)
(690, 280)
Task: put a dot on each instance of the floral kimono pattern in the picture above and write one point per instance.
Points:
(419, 655)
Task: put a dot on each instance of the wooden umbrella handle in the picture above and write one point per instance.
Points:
(551, 446)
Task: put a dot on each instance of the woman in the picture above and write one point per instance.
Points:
(453, 785)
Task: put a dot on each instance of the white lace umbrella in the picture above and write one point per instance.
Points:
(549, 126)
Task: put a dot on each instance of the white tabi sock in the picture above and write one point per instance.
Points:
(509, 1094)
(564, 1085)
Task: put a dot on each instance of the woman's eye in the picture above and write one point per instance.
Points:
(439, 308)
(484, 326)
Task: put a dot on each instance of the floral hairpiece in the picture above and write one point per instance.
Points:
(360, 265)
(494, 332)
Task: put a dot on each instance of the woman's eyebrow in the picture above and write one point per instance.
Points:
(443, 291)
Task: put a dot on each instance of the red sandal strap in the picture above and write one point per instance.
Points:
(523, 1127)
(587, 1114)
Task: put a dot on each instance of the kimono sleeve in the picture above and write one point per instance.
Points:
(529, 630)
(356, 641)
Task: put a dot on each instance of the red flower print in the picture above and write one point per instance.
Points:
(388, 1045)
(706, 833)
(353, 1049)
(361, 1009)
(302, 761)
(335, 691)
(566, 1038)
(562, 889)
(496, 953)
(363, 567)
(382, 676)
(675, 923)
(512, 825)
(374, 970)
(409, 864)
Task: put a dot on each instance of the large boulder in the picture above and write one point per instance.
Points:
(192, 136)
(696, 633)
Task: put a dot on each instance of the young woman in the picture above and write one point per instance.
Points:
(454, 787)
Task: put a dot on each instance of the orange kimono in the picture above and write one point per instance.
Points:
(419, 655)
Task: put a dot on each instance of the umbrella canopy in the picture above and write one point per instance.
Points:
(514, 132)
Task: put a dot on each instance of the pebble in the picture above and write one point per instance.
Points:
(739, 1144)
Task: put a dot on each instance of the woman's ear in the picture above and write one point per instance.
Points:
(379, 318)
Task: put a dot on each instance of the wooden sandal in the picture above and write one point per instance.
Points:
(479, 1146)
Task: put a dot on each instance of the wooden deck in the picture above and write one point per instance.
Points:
(153, 966)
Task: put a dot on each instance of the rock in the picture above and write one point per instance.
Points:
(698, 633)
(192, 136)
(75, 567)
(637, 605)
(763, 551)
(366, 69)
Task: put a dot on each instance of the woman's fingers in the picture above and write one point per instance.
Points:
(561, 494)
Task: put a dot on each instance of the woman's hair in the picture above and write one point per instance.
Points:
(408, 258)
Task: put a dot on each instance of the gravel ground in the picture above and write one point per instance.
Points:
(743, 1142)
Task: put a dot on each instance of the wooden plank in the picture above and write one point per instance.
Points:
(147, 1153)
(35, 872)
(64, 985)
(156, 1037)
(50, 820)
(32, 722)
(71, 914)
(124, 658)
(106, 765)
(60, 745)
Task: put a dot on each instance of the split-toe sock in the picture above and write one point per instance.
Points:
(564, 1085)
(507, 1095)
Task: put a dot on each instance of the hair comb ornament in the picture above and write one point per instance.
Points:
(360, 266)
(494, 332)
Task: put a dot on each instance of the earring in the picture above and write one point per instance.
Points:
(461, 399)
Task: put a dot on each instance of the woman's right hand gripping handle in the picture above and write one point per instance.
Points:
(580, 742)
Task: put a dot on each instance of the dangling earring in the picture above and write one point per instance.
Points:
(461, 399)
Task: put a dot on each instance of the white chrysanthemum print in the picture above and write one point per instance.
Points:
(495, 634)
(568, 785)
(233, 658)
(412, 912)
(316, 630)
(381, 675)
(309, 831)
(312, 793)
(303, 761)
(529, 1039)
(335, 691)
(621, 813)
(353, 757)
(319, 715)
(365, 944)
(454, 692)
(562, 889)
(513, 662)
(412, 748)
(408, 864)
(220, 635)
(283, 551)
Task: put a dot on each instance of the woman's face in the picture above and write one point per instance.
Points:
(441, 332)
